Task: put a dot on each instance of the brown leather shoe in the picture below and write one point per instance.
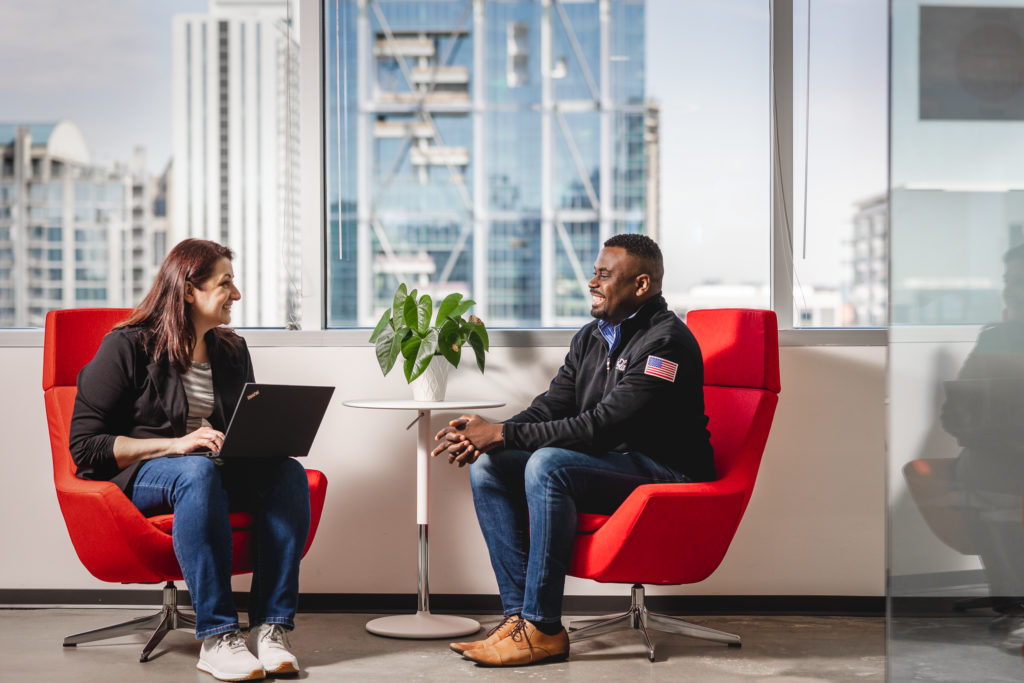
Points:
(493, 636)
(525, 644)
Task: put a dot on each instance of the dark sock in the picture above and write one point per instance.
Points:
(548, 628)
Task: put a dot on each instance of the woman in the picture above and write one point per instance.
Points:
(163, 384)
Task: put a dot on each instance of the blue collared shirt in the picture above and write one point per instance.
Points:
(611, 333)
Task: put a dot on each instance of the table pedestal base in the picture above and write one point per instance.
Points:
(423, 625)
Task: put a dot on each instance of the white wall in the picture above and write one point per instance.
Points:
(815, 524)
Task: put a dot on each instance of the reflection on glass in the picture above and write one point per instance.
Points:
(982, 410)
(956, 372)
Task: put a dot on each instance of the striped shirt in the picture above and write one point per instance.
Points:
(198, 382)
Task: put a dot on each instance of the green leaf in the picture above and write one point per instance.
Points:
(447, 306)
(398, 305)
(409, 362)
(462, 308)
(423, 310)
(387, 348)
(478, 349)
(449, 343)
(410, 346)
(409, 313)
(423, 355)
(481, 331)
(385, 318)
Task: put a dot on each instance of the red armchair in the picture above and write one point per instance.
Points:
(679, 533)
(114, 541)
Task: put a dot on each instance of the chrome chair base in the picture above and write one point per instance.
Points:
(167, 619)
(639, 618)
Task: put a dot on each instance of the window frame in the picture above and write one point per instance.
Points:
(312, 127)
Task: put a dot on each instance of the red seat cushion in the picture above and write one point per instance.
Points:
(240, 521)
(587, 523)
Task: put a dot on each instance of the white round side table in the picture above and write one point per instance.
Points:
(423, 624)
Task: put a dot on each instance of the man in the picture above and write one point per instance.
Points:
(625, 409)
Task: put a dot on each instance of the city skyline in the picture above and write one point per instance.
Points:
(701, 220)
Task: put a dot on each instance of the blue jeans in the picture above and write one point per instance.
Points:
(201, 494)
(526, 504)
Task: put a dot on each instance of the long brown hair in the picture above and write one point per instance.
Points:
(164, 315)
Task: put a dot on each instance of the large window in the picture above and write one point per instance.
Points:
(491, 147)
(839, 222)
(481, 146)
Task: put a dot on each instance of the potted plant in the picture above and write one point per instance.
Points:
(405, 329)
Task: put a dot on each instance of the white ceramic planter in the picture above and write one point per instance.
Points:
(432, 384)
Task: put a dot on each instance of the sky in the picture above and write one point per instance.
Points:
(708, 65)
(105, 64)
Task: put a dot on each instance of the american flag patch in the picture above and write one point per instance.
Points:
(659, 367)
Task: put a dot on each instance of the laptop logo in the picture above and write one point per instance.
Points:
(252, 395)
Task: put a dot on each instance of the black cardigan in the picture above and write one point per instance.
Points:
(124, 392)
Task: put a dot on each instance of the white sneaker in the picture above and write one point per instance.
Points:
(273, 649)
(225, 657)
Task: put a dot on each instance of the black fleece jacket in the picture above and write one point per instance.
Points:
(599, 402)
(124, 392)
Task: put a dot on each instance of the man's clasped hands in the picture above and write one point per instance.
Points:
(466, 437)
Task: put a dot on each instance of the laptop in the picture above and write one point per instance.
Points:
(273, 421)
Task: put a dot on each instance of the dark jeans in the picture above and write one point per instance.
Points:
(526, 504)
(201, 494)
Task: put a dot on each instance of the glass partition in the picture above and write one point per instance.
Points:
(956, 370)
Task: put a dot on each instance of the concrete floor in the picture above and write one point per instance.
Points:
(956, 649)
(336, 647)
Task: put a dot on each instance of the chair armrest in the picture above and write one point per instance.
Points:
(101, 520)
(317, 496)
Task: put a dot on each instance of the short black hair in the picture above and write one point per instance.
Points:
(641, 246)
(645, 250)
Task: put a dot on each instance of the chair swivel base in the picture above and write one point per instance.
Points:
(167, 619)
(639, 618)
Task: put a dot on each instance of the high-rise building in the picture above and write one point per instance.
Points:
(652, 168)
(163, 220)
(481, 146)
(71, 233)
(137, 251)
(235, 171)
(869, 248)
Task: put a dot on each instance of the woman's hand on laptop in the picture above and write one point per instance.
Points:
(203, 439)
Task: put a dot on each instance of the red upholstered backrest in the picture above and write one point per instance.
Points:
(60, 404)
(72, 338)
(740, 347)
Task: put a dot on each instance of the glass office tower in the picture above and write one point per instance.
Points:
(486, 147)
